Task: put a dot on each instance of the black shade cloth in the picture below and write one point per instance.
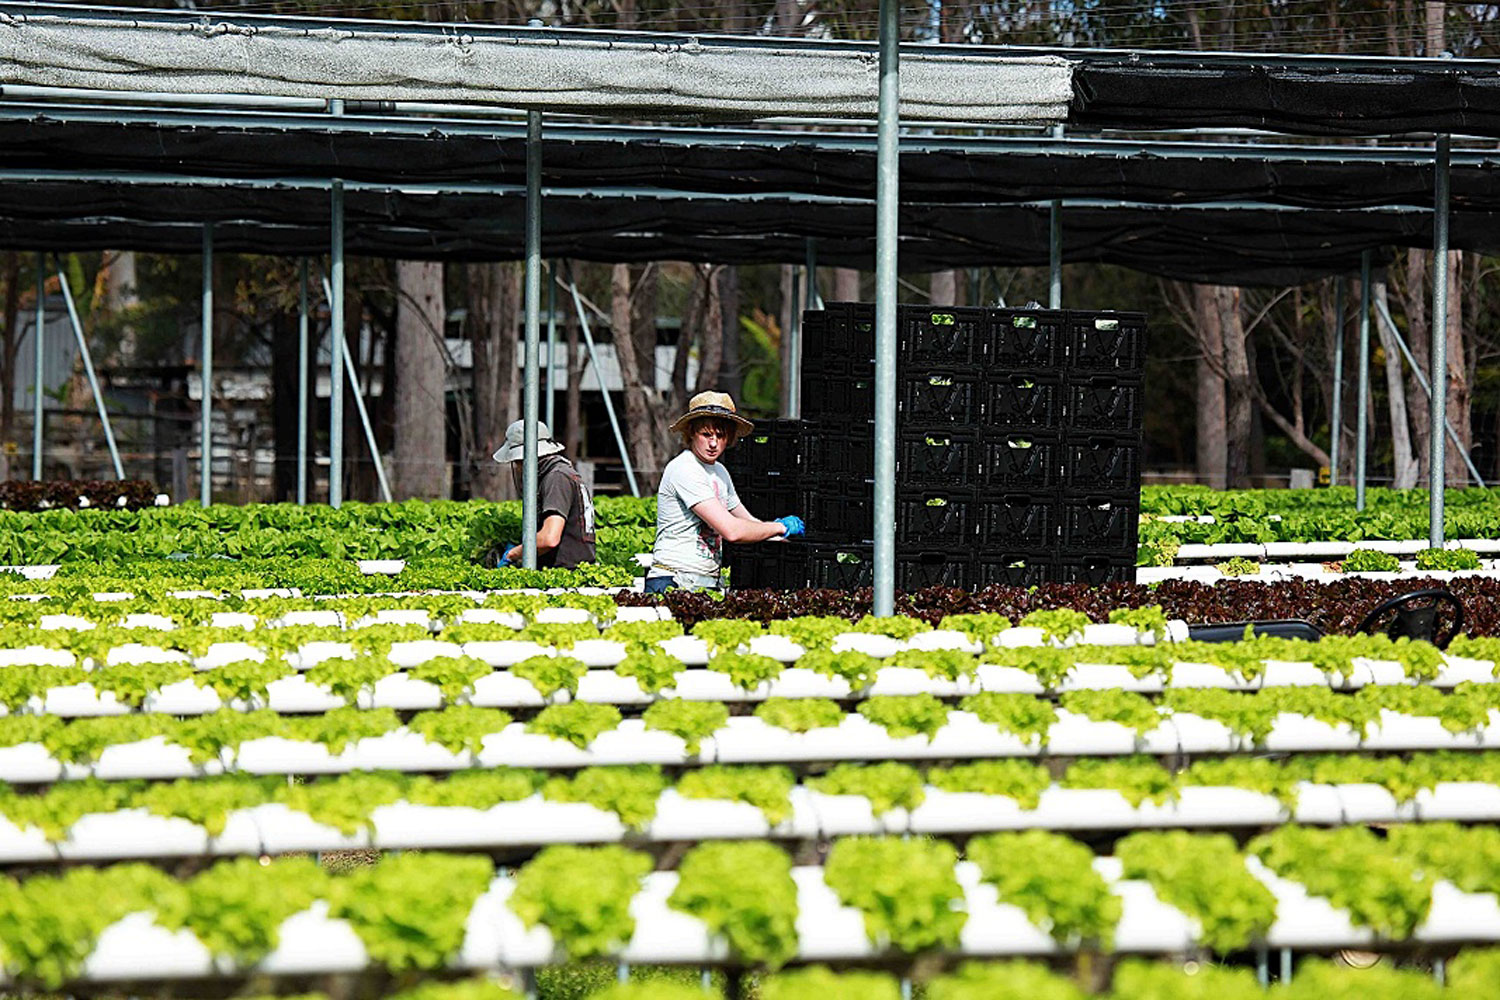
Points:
(1150, 91)
(775, 163)
(1221, 245)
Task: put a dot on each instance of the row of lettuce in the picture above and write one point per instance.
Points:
(463, 729)
(419, 530)
(411, 910)
(634, 793)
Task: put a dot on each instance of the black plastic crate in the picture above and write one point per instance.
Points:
(1103, 403)
(838, 399)
(934, 396)
(1022, 399)
(773, 447)
(1100, 525)
(1025, 338)
(940, 336)
(1101, 463)
(834, 509)
(847, 332)
(1019, 520)
(915, 570)
(770, 495)
(1107, 341)
(1093, 569)
(843, 567)
(774, 565)
(937, 519)
(1013, 568)
(938, 455)
(1022, 460)
(839, 450)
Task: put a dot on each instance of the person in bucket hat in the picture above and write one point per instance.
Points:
(565, 511)
(697, 508)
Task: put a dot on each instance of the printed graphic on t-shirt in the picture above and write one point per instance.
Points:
(588, 511)
(710, 544)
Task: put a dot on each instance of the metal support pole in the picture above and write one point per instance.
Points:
(609, 406)
(814, 296)
(206, 375)
(533, 334)
(622, 969)
(792, 396)
(38, 416)
(336, 331)
(1286, 953)
(1262, 966)
(1055, 246)
(347, 364)
(302, 338)
(887, 232)
(88, 367)
(1390, 324)
(1362, 405)
(1337, 421)
(552, 347)
(335, 355)
(1436, 456)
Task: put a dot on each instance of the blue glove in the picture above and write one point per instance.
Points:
(503, 563)
(793, 524)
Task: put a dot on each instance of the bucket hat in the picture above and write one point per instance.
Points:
(711, 404)
(514, 448)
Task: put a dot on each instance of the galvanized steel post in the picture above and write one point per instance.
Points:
(37, 414)
(552, 347)
(88, 367)
(206, 374)
(336, 333)
(1362, 404)
(792, 392)
(1055, 246)
(533, 333)
(1436, 455)
(1336, 420)
(302, 337)
(814, 297)
(887, 204)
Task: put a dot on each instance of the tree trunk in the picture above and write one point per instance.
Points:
(1460, 394)
(420, 466)
(640, 435)
(573, 398)
(1435, 41)
(1212, 453)
(845, 284)
(944, 288)
(1419, 340)
(1238, 389)
(284, 406)
(711, 337)
(10, 317)
(493, 295)
(1405, 462)
(733, 375)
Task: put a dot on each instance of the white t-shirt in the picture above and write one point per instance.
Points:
(684, 541)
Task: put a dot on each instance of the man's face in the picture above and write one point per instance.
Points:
(709, 439)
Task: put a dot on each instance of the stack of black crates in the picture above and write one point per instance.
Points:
(1017, 456)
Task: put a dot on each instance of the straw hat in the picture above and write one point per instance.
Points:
(514, 448)
(711, 404)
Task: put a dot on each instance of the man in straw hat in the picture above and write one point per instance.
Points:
(565, 511)
(697, 508)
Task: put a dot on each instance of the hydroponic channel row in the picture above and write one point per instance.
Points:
(508, 809)
(435, 910)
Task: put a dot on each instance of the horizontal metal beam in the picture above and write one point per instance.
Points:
(17, 176)
(17, 104)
